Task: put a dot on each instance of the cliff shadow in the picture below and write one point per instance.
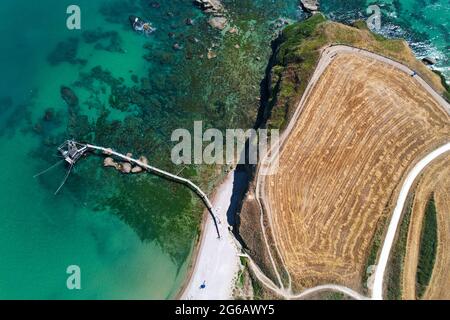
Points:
(244, 174)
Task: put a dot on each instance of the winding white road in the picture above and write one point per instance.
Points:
(377, 292)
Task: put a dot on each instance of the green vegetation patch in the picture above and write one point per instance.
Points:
(295, 60)
(241, 275)
(376, 244)
(444, 84)
(428, 247)
(258, 289)
(395, 271)
(297, 52)
(361, 25)
(334, 296)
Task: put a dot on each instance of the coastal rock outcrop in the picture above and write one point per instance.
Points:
(143, 159)
(136, 169)
(311, 6)
(107, 151)
(211, 54)
(69, 96)
(109, 162)
(125, 167)
(234, 30)
(216, 8)
(429, 61)
(210, 6)
(218, 22)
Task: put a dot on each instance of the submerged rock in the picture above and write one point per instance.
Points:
(211, 54)
(104, 40)
(65, 51)
(37, 128)
(49, 114)
(234, 30)
(177, 46)
(218, 22)
(69, 96)
(155, 4)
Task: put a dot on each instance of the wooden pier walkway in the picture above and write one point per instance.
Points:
(164, 174)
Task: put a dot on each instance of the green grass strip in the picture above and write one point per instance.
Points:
(428, 246)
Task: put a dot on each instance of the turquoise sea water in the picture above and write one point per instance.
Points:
(130, 235)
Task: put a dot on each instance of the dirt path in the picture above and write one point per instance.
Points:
(287, 294)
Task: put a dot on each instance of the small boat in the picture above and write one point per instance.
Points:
(139, 25)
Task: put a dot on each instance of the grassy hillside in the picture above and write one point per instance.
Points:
(298, 52)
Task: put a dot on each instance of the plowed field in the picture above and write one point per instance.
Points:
(363, 126)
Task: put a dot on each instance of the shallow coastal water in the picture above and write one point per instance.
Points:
(40, 234)
(130, 235)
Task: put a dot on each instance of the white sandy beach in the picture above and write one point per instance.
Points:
(217, 261)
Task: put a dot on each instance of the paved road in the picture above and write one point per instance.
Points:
(327, 56)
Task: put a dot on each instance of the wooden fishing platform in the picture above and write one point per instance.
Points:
(72, 151)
